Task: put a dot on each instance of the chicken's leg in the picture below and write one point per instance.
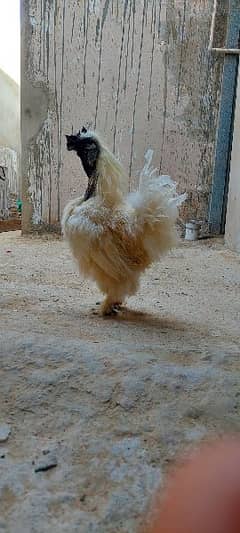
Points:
(109, 307)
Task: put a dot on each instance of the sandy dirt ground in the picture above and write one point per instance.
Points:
(94, 410)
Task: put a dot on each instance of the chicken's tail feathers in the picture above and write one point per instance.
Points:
(157, 196)
(156, 205)
(147, 170)
(151, 184)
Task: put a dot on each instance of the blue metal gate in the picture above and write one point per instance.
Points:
(218, 201)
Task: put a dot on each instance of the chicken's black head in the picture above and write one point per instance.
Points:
(87, 147)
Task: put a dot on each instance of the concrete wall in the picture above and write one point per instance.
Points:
(139, 71)
(9, 113)
(10, 186)
(9, 141)
(232, 234)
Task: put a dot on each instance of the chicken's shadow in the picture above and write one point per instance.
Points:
(145, 320)
(148, 320)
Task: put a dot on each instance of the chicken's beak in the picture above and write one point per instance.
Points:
(70, 142)
(91, 188)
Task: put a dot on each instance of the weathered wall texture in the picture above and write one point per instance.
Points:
(9, 112)
(9, 180)
(139, 71)
(9, 142)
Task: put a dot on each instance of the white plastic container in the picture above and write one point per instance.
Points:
(192, 230)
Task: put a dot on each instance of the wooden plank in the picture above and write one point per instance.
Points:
(10, 225)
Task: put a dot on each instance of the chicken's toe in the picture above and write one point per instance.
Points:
(110, 308)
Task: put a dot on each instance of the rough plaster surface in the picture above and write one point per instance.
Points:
(11, 185)
(9, 112)
(138, 71)
(108, 402)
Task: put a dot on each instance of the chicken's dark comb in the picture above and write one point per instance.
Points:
(83, 130)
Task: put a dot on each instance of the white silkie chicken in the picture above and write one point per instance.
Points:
(115, 235)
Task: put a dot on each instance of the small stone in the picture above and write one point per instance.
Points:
(2, 455)
(47, 463)
(194, 412)
(5, 431)
(46, 452)
(196, 433)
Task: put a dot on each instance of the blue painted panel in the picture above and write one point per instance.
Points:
(225, 124)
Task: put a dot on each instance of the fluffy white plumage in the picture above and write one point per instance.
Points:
(115, 235)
